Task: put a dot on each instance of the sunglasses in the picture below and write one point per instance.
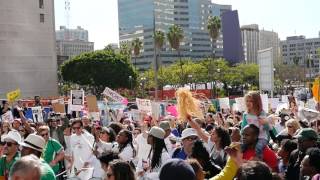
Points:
(191, 138)
(9, 144)
(109, 175)
(76, 128)
(46, 134)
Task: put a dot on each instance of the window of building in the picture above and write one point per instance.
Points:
(42, 18)
(41, 4)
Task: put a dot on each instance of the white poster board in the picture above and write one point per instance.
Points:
(284, 99)
(274, 103)
(7, 116)
(113, 95)
(281, 106)
(144, 105)
(37, 114)
(95, 116)
(241, 104)
(311, 104)
(265, 102)
(224, 103)
(265, 61)
(155, 107)
(77, 100)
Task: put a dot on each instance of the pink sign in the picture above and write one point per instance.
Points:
(172, 110)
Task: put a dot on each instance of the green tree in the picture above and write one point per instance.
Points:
(159, 38)
(136, 45)
(108, 48)
(125, 50)
(99, 69)
(214, 26)
(175, 35)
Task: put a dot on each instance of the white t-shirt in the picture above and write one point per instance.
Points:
(165, 157)
(142, 146)
(127, 153)
(168, 143)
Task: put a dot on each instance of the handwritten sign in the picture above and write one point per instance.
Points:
(77, 100)
(241, 104)
(7, 116)
(113, 95)
(144, 105)
(265, 102)
(37, 114)
(224, 103)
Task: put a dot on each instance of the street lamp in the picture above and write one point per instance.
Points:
(130, 81)
(190, 80)
(143, 80)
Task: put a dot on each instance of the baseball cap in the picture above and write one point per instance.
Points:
(307, 134)
(188, 132)
(164, 125)
(12, 135)
(157, 132)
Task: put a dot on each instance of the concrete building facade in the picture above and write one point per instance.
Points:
(269, 39)
(137, 19)
(250, 42)
(27, 48)
(78, 34)
(301, 51)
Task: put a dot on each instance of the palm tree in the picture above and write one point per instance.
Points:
(159, 40)
(136, 45)
(175, 36)
(213, 26)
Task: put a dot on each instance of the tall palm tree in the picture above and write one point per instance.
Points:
(159, 38)
(175, 36)
(136, 45)
(213, 26)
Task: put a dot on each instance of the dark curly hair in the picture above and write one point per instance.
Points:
(223, 134)
(122, 170)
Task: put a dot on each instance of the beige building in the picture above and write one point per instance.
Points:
(269, 39)
(27, 47)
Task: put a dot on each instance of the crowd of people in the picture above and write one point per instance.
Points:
(222, 145)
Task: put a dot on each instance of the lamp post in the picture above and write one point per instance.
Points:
(130, 81)
(215, 83)
(190, 80)
(143, 81)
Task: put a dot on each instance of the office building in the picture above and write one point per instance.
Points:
(269, 39)
(250, 42)
(232, 44)
(301, 51)
(137, 19)
(78, 34)
(27, 48)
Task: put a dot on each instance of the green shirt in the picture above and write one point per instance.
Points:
(5, 167)
(52, 148)
(46, 171)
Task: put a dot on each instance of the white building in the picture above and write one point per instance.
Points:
(250, 42)
(269, 39)
(27, 48)
(79, 34)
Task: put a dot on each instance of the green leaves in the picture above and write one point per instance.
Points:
(99, 69)
(175, 36)
(214, 26)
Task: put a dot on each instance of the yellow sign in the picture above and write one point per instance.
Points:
(13, 95)
(315, 89)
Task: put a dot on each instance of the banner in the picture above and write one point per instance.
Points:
(37, 114)
(224, 103)
(265, 102)
(13, 95)
(241, 104)
(7, 116)
(92, 104)
(77, 100)
(113, 95)
(144, 105)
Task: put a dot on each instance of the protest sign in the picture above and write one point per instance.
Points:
(273, 102)
(224, 103)
(265, 102)
(7, 116)
(58, 105)
(77, 100)
(92, 104)
(37, 114)
(311, 104)
(284, 98)
(172, 110)
(113, 95)
(13, 95)
(241, 104)
(144, 105)
(155, 108)
(95, 116)
(282, 106)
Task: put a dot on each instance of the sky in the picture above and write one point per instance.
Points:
(286, 17)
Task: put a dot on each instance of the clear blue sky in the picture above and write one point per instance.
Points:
(287, 17)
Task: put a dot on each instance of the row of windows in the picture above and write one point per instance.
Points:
(181, 7)
(181, 19)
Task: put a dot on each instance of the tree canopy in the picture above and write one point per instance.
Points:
(99, 69)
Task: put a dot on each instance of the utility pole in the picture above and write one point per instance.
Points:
(155, 53)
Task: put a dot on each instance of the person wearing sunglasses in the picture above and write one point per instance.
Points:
(188, 137)
(53, 152)
(11, 152)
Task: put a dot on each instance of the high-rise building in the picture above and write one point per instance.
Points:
(72, 42)
(232, 44)
(79, 34)
(27, 48)
(250, 42)
(301, 51)
(269, 39)
(137, 19)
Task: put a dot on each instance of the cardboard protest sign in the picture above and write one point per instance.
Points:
(155, 107)
(92, 104)
(58, 105)
(241, 104)
(224, 103)
(144, 105)
(95, 116)
(7, 116)
(113, 95)
(77, 100)
(37, 114)
(265, 102)
(13, 95)
(274, 102)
